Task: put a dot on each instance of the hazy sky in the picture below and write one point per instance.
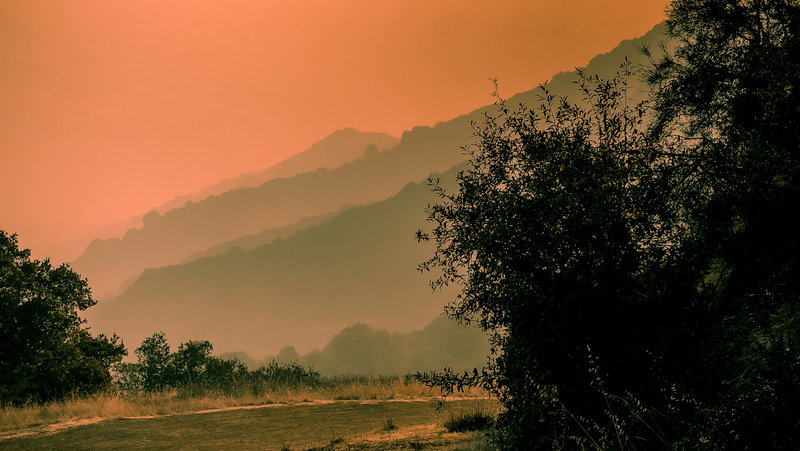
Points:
(109, 108)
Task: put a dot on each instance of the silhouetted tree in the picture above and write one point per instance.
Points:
(728, 104)
(194, 371)
(550, 236)
(45, 353)
(641, 280)
(155, 366)
(190, 360)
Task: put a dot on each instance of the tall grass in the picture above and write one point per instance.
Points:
(473, 418)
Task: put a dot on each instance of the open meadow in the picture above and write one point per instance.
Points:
(375, 414)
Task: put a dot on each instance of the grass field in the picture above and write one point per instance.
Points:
(366, 414)
(342, 424)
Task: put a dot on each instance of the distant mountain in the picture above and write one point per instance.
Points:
(248, 242)
(336, 149)
(356, 267)
(262, 238)
(280, 202)
(362, 349)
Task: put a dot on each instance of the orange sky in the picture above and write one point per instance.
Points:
(108, 108)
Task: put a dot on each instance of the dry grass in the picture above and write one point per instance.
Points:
(437, 435)
(420, 436)
(476, 417)
(14, 420)
(320, 425)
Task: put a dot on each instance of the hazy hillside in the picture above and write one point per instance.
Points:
(357, 267)
(196, 227)
(336, 149)
(263, 237)
(362, 349)
(248, 242)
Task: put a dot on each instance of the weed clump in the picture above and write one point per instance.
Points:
(469, 420)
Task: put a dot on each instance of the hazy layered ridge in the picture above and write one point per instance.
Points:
(198, 226)
(334, 150)
(263, 237)
(249, 241)
(338, 148)
(358, 267)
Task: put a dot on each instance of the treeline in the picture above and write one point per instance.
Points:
(192, 369)
(48, 354)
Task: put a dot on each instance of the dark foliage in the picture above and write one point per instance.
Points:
(469, 421)
(193, 370)
(551, 234)
(728, 104)
(45, 353)
(637, 265)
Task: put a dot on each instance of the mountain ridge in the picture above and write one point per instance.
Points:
(358, 266)
(300, 290)
(336, 149)
(168, 238)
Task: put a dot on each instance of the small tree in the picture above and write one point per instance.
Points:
(155, 365)
(191, 367)
(45, 353)
(190, 360)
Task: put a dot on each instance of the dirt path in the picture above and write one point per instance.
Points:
(338, 424)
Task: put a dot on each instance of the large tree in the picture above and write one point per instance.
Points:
(556, 239)
(45, 351)
(728, 102)
(638, 267)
